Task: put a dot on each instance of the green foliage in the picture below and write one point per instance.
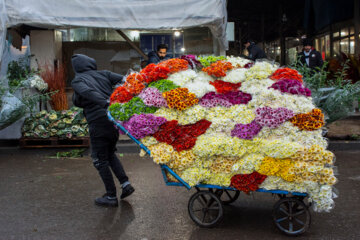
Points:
(17, 72)
(124, 111)
(63, 124)
(333, 95)
(163, 85)
(75, 153)
(206, 61)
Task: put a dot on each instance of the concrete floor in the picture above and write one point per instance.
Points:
(49, 198)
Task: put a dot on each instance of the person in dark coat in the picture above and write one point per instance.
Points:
(309, 56)
(159, 55)
(254, 51)
(92, 90)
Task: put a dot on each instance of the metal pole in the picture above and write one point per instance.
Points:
(133, 44)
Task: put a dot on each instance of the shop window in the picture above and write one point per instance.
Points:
(344, 32)
(336, 34)
(352, 30)
(352, 45)
(344, 45)
(327, 46)
(336, 48)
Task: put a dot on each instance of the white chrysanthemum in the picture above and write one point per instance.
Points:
(199, 88)
(183, 77)
(235, 76)
(237, 62)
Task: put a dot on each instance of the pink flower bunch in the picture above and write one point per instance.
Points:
(246, 131)
(213, 99)
(291, 86)
(152, 97)
(272, 117)
(143, 125)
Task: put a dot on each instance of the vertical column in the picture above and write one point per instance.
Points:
(357, 26)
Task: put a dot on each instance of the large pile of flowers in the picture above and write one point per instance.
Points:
(230, 122)
(63, 124)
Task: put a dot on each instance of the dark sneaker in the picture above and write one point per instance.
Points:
(106, 201)
(127, 191)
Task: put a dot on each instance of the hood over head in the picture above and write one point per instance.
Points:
(82, 63)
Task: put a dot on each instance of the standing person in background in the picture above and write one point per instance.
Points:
(309, 56)
(159, 55)
(254, 51)
(92, 90)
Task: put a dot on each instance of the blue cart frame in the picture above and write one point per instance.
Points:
(286, 214)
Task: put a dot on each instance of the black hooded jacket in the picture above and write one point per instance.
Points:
(255, 52)
(92, 88)
(154, 58)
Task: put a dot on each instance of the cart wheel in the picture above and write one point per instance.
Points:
(205, 209)
(291, 216)
(229, 196)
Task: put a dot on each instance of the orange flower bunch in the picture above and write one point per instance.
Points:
(180, 98)
(175, 64)
(218, 69)
(309, 121)
(286, 73)
(120, 95)
(135, 83)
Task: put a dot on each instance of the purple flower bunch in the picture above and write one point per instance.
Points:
(213, 99)
(193, 62)
(291, 86)
(272, 117)
(152, 97)
(143, 125)
(246, 131)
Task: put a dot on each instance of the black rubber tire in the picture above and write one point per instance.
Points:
(205, 209)
(229, 196)
(291, 216)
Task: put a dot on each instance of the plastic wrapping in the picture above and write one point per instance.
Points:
(117, 14)
(12, 109)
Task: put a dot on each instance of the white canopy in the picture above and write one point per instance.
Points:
(116, 14)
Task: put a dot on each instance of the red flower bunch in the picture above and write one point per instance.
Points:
(218, 69)
(309, 121)
(286, 73)
(225, 87)
(175, 64)
(120, 95)
(134, 83)
(181, 137)
(180, 98)
(154, 72)
(247, 182)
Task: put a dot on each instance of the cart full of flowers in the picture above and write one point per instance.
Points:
(225, 125)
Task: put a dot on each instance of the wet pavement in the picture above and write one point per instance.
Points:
(49, 198)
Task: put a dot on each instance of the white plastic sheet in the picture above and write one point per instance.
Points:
(118, 14)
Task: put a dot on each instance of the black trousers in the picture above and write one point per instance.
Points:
(103, 138)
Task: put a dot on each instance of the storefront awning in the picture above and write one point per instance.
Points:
(116, 14)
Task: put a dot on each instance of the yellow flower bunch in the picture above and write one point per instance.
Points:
(161, 152)
(277, 167)
(168, 113)
(260, 70)
(182, 160)
(195, 175)
(191, 115)
(279, 149)
(148, 141)
(222, 164)
(221, 179)
(248, 163)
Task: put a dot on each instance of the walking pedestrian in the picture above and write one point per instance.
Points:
(92, 90)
